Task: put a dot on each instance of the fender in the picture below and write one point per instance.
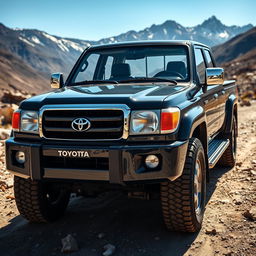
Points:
(229, 110)
(190, 121)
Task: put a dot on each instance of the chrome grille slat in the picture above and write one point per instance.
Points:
(58, 119)
(94, 119)
(105, 119)
(117, 129)
(59, 129)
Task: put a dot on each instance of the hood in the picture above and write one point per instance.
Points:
(136, 96)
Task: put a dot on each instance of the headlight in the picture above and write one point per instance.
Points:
(145, 122)
(162, 121)
(29, 121)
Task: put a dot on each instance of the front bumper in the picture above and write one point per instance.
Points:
(119, 164)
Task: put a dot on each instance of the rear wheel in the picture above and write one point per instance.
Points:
(228, 159)
(183, 200)
(39, 201)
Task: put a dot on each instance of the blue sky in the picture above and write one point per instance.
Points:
(96, 19)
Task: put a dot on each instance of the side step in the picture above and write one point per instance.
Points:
(216, 148)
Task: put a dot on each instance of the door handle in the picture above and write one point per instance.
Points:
(215, 96)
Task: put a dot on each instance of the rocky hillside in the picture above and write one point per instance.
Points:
(42, 54)
(238, 57)
(28, 57)
(236, 47)
(17, 74)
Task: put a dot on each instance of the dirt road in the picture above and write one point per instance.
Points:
(135, 227)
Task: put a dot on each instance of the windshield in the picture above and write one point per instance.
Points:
(130, 63)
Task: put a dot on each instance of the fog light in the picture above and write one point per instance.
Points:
(152, 161)
(20, 157)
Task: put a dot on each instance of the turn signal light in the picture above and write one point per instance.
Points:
(16, 120)
(169, 120)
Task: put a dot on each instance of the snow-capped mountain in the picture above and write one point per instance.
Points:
(210, 32)
(45, 53)
(240, 47)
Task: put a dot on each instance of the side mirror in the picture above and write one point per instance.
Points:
(214, 76)
(57, 80)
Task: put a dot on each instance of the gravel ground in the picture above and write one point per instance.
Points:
(135, 227)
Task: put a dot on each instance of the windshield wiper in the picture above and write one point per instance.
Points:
(149, 79)
(95, 82)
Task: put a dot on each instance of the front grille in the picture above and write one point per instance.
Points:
(94, 163)
(105, 124)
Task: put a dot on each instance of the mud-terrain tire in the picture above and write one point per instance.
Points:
(228, 159)
(40, 201)
(183, 200)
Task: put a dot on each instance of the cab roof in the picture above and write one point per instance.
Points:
(148, 43)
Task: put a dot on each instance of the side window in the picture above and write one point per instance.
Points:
(200, 65)
(208, 58)
(108, 67)
(87, 69)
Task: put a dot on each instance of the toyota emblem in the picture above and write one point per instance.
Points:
(80, 124)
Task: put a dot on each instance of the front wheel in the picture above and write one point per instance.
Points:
(183, 200)
(39, 201)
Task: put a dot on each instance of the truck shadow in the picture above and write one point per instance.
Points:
(215, 174)
(134, 226)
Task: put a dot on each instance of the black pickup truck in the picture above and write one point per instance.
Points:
(148, 118)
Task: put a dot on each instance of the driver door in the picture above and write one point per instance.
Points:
(210, 97)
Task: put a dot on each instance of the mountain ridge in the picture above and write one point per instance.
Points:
(238, 58)
(236, 47)
(172, 30)
(43, 54)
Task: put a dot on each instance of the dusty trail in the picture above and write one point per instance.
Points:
(135, 227)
